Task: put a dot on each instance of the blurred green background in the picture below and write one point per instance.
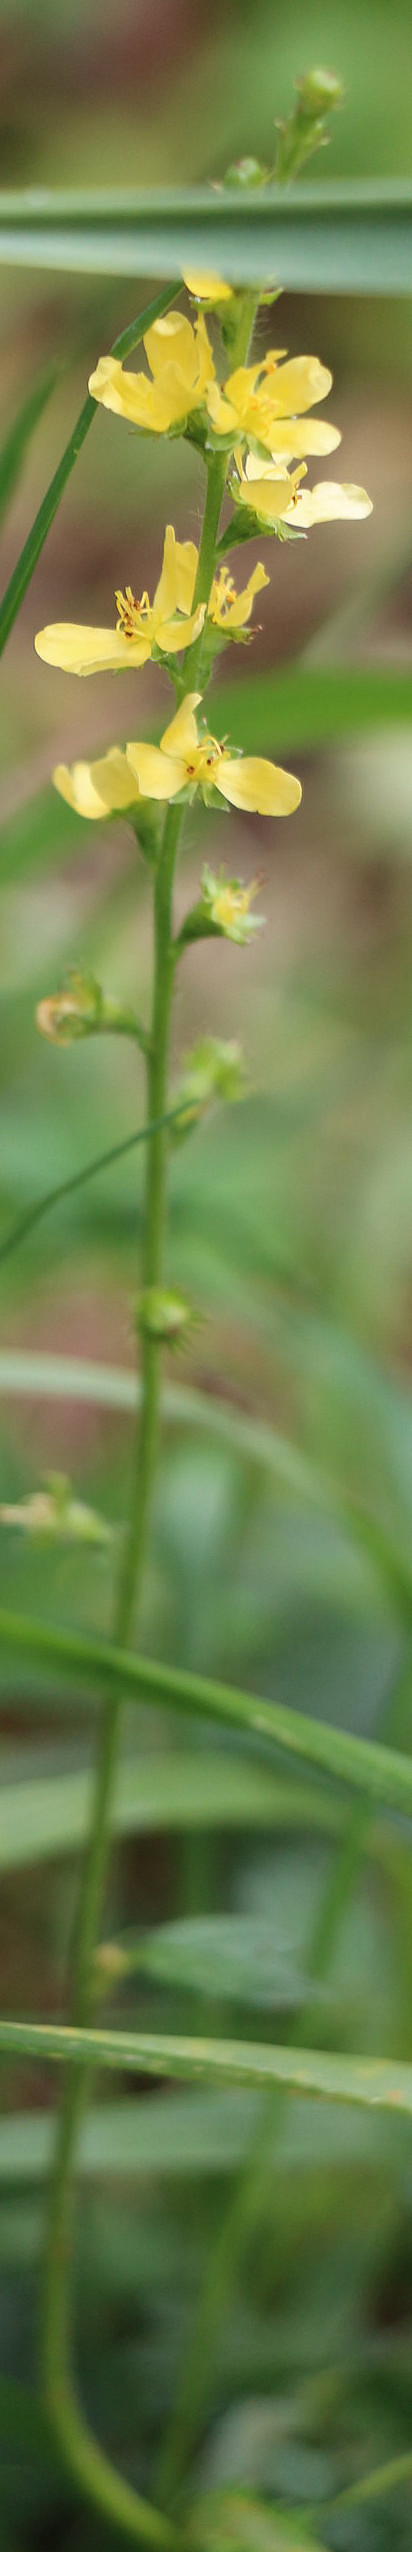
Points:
(291, 1228)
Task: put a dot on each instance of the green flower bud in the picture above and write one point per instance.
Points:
(213, 1070)
(162, 1317)
(51, 1514)
(83, 1010)
(318, 92)
(246, 172)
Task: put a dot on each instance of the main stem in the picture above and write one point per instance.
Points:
(90, 2468)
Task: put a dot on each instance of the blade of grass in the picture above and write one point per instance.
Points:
(345, 237)
(13, 450)
(366, 2082)
(375, 1770)
(30, 553)
(80, 1178)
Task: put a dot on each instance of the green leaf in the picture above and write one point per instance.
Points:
(50, 1815)
(333, 238)
(233, 2521)
(196, 2133)
(231, 1957)
(29, 555)
(13, 450)
(375, 1770)
(371, 2083)
(306, 707)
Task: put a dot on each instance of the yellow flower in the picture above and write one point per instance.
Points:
(227, 904)
(181, 364)
(228, 610)
(141, 626)
(207, 287)
(276, 498)
(263, 403)
(183, 761)
(97, 788)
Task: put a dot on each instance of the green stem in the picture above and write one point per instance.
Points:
(88, 2465)
(252, 2190)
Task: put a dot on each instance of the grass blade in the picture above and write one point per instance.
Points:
(374, 1770)
(13, 450)
(29, 555)
(347, 237)
(367, 2083)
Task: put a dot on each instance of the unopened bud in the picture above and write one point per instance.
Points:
(318, 92)
(246, 172)
(162, 1317)
(51, 1514)
(83, 1010)
(213, 1070)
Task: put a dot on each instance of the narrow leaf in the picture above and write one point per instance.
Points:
(29, 555)
(375, 1770)
(191, 2134)
(371, 2083)
(49, 1815)
(304, 708)
(232, 1957)
(347, 237)
(16, 441)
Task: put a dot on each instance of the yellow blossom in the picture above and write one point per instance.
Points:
(276, 498)
(181, 365)
(227, 904)
(266, 402)
(228, 610)
(167, 623)
(207, 287)
(185, 761)
(97, 788)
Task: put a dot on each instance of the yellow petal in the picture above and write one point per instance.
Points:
(154, 406)
(207, 287)
(174, 634)
(156, 774)
(81, 650)
(175, 589)
(259, 786)
(298, 385)
(171, 338)
(290, 437)
(270, 497)
(96, 789)
(181, 736)
(237, 611)
(110, 775)
(223, 416)
(329, 503)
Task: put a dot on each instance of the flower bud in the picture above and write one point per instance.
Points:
(162, 1317)
(246, 172)
(318, 92)
(51, 1514)
(214, 1070)
(83, 1010)
(224, 910)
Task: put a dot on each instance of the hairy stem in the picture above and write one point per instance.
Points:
(89, 2466)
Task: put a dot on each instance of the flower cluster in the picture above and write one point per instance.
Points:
(262, 418)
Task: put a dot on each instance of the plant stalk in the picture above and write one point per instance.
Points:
(88, 2465)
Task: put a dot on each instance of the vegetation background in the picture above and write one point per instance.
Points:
(291, 1228)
